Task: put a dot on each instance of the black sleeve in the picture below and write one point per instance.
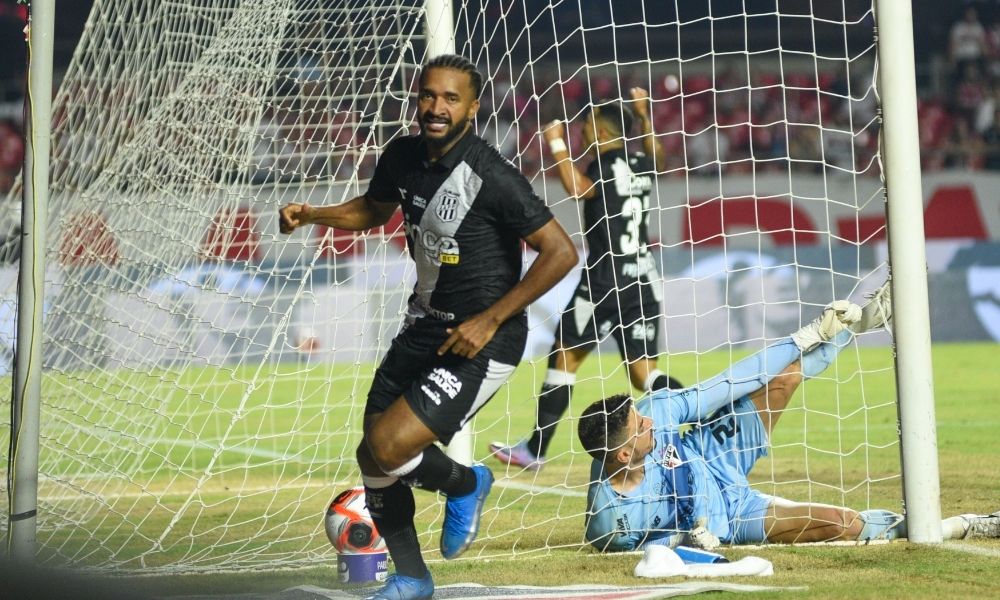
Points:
(594, 171)
(382, 187)
(513, 202)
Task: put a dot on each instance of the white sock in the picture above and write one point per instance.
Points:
(377, 483)
(651, 379)
(407, 467)
(556, 378)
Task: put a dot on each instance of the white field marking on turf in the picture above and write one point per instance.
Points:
(536, 489)
(959, 547)
(282, 488)
(252, 452)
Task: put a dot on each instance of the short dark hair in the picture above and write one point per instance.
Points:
(603, 423)
(615, 115)
(459, 63)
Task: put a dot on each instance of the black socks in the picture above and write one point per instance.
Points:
(553, 400)
(392, 510)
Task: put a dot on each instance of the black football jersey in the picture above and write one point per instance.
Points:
(617, 221)
(464, 216)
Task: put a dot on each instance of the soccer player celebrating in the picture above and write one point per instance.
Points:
(465, 212)
(653, 484)
(617, 294)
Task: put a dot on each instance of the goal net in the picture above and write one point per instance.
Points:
(205, 377)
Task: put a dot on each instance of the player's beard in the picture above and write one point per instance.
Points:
(452, 132)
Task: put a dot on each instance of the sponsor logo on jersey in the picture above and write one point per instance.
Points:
(447, 381)
(432, 245)
(419, 202)
(447, 208)
(422, 308)
(628, 183)
(622, 523)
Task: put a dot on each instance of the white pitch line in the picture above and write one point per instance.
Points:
(168, 494)
(251, 452)
(197, 444)
(536, 489)
(957, 547)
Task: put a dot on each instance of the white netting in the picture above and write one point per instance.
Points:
(205, 378)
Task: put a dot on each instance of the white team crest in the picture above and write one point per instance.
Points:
(671, 457)
(447, 208)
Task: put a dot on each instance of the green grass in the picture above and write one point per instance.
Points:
(289, 447)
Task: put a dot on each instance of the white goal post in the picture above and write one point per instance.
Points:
(204, 378)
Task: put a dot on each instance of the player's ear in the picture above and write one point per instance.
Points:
(624, 455)
(473, 108)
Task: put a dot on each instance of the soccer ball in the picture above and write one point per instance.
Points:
(349, 525)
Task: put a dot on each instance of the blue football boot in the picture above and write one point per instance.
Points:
(401, 587)
(461, 515)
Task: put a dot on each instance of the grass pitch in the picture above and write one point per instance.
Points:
(836, 443)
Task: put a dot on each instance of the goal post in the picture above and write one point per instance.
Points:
(914, 372)
(22, 470)
(440, 23)
(205, 378)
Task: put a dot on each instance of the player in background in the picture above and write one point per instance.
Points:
(465, 211)
(618, 293)
(653, 481)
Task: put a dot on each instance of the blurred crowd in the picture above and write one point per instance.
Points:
(961, 128)
(712, 117)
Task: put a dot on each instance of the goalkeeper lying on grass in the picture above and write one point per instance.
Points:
(653, 484)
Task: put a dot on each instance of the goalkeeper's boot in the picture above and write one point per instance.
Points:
(877, 312)
(462, 513)
(836, 317)
(517, 455)
(401, 587)
(983, 525)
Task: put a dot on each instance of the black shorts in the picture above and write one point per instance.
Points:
(446, 391)
(631, 316)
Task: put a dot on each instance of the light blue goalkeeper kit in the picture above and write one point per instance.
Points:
(708, 437)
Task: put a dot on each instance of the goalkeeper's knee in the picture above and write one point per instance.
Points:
(882, 525)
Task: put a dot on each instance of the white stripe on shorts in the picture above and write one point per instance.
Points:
(497, 373)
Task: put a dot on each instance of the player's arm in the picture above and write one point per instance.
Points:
(357, 214)
(556, 257)
(574, 181)
(372, 209)
(650, 144)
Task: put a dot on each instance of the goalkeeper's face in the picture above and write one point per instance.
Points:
(639, 441)
(446, 105)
